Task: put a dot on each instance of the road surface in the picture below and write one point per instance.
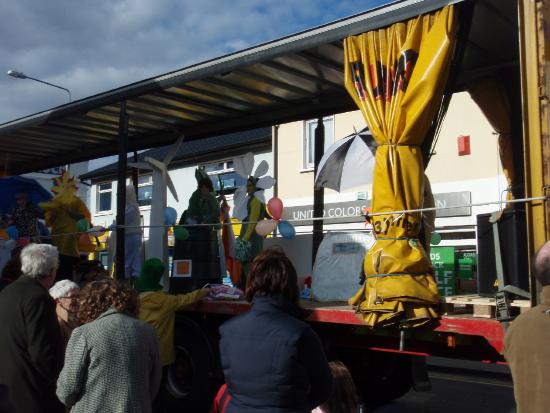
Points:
(461, 387)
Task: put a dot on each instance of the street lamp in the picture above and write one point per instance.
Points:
(20, 75)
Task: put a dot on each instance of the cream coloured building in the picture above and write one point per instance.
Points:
(476, 178)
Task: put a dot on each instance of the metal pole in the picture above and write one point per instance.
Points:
(318, 194)
(51, 84)
(135, 179)
(121, 190)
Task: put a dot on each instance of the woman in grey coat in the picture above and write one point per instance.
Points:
(112, 361)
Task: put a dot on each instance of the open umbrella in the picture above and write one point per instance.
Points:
(348, 163)
(12, 185)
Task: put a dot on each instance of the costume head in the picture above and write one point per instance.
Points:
(64, 185)
(150, 276)
(205, 183)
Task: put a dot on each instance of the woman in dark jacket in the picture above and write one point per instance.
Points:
(272, 360)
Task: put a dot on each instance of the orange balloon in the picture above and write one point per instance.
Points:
(265, 227)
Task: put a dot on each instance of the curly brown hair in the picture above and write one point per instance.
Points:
(272, 273)
(98, 296)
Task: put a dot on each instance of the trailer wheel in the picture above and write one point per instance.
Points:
(382, 377)
(189, 384)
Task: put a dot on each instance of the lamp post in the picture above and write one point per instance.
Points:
(20, 75)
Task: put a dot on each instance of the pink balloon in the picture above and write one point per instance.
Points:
(265, 227)
(275, 208)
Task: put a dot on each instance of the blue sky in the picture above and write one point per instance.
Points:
(91, 46)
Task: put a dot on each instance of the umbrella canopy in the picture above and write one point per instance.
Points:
(10, 186)
(348, 163)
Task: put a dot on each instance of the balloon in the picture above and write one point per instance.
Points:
(13, 233)
(97, 231)
(82, 225)
(275, 208)
(286, 229)
(436, 238)
(85, 243)
(170, 216)
(265, 227)
(181, 233)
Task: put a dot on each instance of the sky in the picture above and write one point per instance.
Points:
(91, 46)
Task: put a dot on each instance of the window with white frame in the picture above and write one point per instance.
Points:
(145, 190)
(309, 139)
(104, 196)
(223, 176)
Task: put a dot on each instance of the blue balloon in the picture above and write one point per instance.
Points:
(286, 229)
(12, 232)
(170, 216)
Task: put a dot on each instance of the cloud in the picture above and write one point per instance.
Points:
(91, 46)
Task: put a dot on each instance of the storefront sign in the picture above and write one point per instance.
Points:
(352, 211)
(341, 212)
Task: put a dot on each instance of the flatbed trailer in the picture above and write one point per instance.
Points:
(445, 337)
(385, 363)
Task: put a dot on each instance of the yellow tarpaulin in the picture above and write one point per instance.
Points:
(397, 77)
(490, 95)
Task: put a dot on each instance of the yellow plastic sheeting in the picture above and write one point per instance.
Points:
(490, 95)
(397, 76)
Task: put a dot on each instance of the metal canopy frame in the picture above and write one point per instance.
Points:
(296, 77)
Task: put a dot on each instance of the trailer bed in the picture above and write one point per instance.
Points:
(451, 335)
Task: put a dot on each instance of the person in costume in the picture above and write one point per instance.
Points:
(62, 214)
(158, 309)
(250, 208)
(255, 209)
(203, 205)
(132, 232)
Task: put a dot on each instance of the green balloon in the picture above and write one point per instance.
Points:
(82, 225)
(436, 238)
(181, 233)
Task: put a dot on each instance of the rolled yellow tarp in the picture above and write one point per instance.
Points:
(397, 77)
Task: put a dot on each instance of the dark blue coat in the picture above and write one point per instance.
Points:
(272, 361)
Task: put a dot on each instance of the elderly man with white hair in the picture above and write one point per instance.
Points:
(31, 355)
(65, 293)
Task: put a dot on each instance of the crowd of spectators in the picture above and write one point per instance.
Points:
(101, 345)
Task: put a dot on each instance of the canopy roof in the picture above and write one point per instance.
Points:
(296, 77)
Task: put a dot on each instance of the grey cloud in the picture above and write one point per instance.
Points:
(90, 46)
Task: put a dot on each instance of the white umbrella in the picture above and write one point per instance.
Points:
(348, 163)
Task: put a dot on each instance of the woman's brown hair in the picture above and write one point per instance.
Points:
(272, 273)
(343, 398)
(98, 296)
